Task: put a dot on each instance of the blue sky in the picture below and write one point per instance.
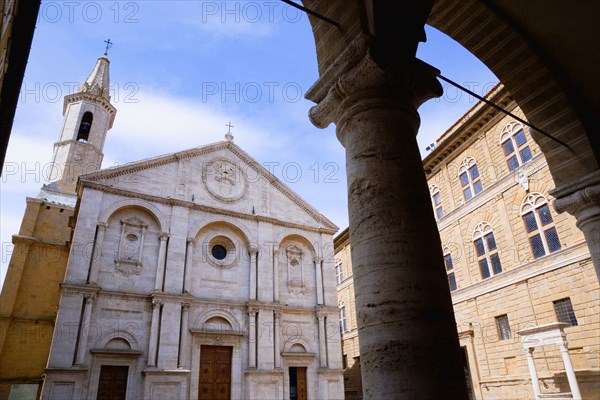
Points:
(180, 71)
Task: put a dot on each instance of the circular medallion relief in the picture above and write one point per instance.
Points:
(224, 180)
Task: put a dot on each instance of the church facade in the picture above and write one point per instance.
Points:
(193, 275)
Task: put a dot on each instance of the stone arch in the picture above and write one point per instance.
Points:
(136, 203)
(225, 315)
(296, 237)
(232, 223)
(113, 336)
(535, 84)
(295, 342)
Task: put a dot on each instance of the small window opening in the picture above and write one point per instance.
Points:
(85, 127)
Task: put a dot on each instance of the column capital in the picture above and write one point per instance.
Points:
(413, 83)
(89, 297)
(253, 249)
(156, 303)
(185, 306)
(318, 259)
(579, 195)
(191, 241)
(102, 225)
(528, 351)
(277, 313)
(163, 236)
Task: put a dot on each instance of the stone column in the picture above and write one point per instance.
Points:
(276, 274)
(322, 335)
(97, 254)
(319, 271)
(184, 351)
(252, 339)
(533, 373)
(406, 326)
(160, 265)
(189, 260)
(153, 333)
(253, 250)
(582, 200)
(277, 338)
(564, 352)
(85, 327)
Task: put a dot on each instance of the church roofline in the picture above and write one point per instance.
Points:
(328, 226)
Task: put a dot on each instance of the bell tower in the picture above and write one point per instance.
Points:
(88, 115)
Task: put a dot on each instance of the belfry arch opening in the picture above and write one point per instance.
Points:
(85, 127)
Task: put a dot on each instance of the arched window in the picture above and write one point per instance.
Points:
(85, 127)
(539, 225)
(486, 250)
(343, 319)
(514, 144)
(436, 200)
(449, 268)
(469, 178)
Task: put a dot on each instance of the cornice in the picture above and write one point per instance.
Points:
(469, 127)
(30, 240)
(341, 240)
(195, 206)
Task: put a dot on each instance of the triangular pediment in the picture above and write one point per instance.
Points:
(219, 176)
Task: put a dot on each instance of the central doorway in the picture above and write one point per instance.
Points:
(215, 373)
(298, 383)
(113, 382)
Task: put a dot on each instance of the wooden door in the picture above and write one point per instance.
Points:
(113, 382)
(298, 390)
(215, 373)
(301, 382)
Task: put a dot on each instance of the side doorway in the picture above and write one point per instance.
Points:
(298, 389)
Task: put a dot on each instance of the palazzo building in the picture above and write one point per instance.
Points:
(193, 275)
(512, 262)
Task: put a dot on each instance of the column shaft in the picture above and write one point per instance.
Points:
(532, 371)
(319, 271)
(187, 275)
(322, 346)
(160, 264)
(275, 275)
(404, 311)
(97, 253)
(153, 334)
(564, 352)
(85, 326)
(184, 352)
(252, 339)
(253, 282)
(276, 339)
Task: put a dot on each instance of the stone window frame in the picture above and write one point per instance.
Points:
(436, 201)
(486, 250)
(131, 227)
(339, 272)
(472, 184)
(539, 225)
(343, 317)
(503, 327)
(448, 263)
(519, 152)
